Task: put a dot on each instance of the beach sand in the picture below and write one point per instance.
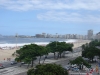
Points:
(80, 43)
(4, 54)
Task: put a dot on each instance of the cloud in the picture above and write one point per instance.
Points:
(25, 5)
(68, 17)
(57, 10)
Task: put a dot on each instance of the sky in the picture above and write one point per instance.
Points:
(30, 17)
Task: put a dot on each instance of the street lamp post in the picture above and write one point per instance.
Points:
(16, 39)
(56, 44)
(56, 39)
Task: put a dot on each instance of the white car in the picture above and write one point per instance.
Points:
(22, 62)
(13, 62)
(67, 67)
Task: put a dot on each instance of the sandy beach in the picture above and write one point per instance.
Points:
(80, 43)
(5, 54)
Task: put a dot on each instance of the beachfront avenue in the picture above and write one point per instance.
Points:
(50, 59)
(22, 70)
(63, 61)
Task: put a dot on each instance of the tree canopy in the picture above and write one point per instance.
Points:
(47, 69)
(28, 53)
(90, 50)
(79, 60)
(59, 47)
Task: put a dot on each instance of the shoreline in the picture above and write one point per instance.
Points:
(7, 53)
(80, 43)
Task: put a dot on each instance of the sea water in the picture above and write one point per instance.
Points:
(12, 41)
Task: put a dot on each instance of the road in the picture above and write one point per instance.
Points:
(62, 62)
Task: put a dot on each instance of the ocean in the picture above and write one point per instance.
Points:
(9, 41)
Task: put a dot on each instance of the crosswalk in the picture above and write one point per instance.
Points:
(12, 70)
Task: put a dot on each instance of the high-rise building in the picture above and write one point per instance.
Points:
(90, 34)
(44, 35)
(98, 36)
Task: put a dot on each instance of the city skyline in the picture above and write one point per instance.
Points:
(17, 34)
(30, 17)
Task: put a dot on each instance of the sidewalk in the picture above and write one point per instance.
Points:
(16, 70)
(2, 61)
(12, 70)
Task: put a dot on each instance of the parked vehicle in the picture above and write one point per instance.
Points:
(22, 62)
(13, 62)
(74, 69)
(2, 66)
(67, 67)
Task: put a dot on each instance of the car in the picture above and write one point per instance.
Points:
(67, 67)
(13, 62)
(22, 62)
(2, 66)
(75, 68)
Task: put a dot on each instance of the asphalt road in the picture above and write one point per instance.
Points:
(62, 62)
(24, 73)
(51, 55)
(8, 64)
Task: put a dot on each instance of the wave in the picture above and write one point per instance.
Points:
(38, 43)
(71, 40)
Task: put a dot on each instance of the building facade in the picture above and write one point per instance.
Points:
(90, 34)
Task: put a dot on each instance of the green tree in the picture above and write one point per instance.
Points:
(41, 51)
(47, 69)
(90, 55)
(83, 47)
(46, 52)
(52, 46)
(59, 47)
(90, 52)
(28, 53)
(79, 60)
(62, 47)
